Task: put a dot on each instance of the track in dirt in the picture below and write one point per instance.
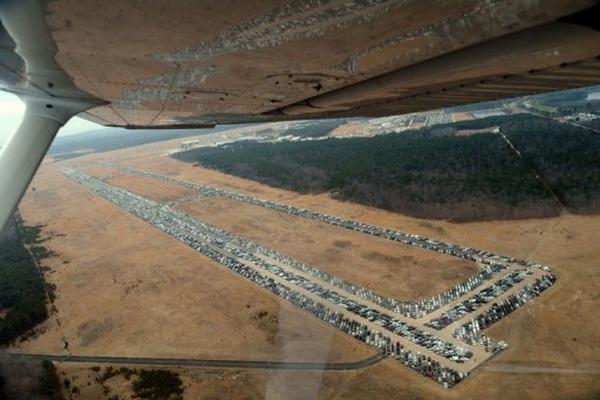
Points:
(15, 357)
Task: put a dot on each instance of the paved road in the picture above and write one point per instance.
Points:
(532, 369)
(187, 362)
(184, 228)
(480, 355)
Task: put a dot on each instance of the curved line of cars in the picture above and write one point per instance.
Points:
(491, 264)
(244, 258)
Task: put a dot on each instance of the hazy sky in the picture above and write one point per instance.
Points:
(11, 112)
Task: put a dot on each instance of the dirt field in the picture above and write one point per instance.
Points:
(128, 289)
(150, 188)
(388, 268)
(101, 171)
(349, 129)
(104, 310)
(462, 116)
(386, 380)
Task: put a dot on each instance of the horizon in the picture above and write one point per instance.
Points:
(11, 114)
(12, 109)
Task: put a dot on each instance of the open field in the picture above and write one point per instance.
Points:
(167, 315)
(370, 318)
(390, 268)
(462, 116)
(386, 380)
(150, 188)
(129, 290)
(101, 170)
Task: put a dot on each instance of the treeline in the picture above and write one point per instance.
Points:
(151, 384)
(22, 292)
(107, 139)
(317, 128)
(433, 172)
(29, 379)
(49, 382)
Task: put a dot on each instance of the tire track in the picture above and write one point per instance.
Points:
(188, 362)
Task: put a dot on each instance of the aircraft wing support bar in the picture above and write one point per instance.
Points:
(28, 69)
(23, 152)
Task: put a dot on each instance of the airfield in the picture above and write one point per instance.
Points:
(125, 288)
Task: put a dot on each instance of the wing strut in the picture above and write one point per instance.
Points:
(29, 70)
(24, 151)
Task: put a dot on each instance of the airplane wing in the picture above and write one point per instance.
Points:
(203, 62)
(192, 63)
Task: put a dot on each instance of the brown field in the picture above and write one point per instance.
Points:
(100, 171)
(462, 116)
(130, 290)
(348, 129)
(387, 267)
(150, 188)
(386, 380)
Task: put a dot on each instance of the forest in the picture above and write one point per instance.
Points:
(441, 172)
(22, 291)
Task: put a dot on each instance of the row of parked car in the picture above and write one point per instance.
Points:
(480, 299)
(515, 301)
(491, 263)
(241, 248)
(291, 279)
(215, 243)
(471, 331)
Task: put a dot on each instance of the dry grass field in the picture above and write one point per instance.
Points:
(389, 268)
(123, 288)
(150, 188)
(128, 289)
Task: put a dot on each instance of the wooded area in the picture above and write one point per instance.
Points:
(442, 172)
(22, 292)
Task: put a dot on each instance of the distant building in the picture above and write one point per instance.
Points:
(488, 113)
(188, 144)
(593, 96)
